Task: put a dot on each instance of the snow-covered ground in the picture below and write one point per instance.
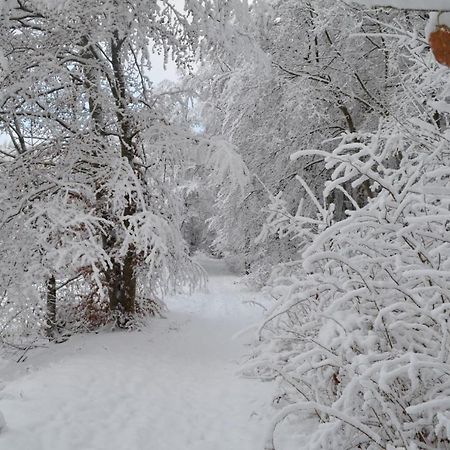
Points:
(171, 386)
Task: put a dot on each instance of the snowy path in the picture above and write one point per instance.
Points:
(172, 386)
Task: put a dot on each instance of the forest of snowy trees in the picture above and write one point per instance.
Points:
(307, 143)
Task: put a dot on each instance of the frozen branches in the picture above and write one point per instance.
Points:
(360, 333)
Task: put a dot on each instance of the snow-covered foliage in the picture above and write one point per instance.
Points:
(301, 85)
(426, 5)
(326, 180)
(359, 334)
(90, 207)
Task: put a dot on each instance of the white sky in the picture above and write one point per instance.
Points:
(158, 73)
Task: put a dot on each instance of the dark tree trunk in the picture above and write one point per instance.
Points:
(123, 300)
(114, 275)
(129, 283)
(51, 307)
(120, 277)
(121, 280)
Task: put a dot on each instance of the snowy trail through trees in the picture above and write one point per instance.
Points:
(172, 386)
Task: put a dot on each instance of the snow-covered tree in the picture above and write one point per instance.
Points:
(307, 76)
(91, 177)
(424, 5)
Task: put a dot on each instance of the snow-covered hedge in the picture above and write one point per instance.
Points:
(359, 335)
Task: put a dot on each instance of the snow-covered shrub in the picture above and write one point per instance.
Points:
(359, 335)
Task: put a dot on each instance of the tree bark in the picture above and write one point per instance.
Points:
(123, 299)
(121, 281)
(120, 277)
(51, 307)
(129, 282)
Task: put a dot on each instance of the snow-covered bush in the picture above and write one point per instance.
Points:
(359, 335)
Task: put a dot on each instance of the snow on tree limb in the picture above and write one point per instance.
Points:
(424, 5)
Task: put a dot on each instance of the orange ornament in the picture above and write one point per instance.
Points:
(440, 44)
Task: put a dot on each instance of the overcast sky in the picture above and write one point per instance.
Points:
(158, 73)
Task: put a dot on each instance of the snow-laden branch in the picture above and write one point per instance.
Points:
(421, 5)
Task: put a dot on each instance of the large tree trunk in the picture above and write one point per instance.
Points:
(121, 280)
(51, 307)
(129, 283)
(123, 300)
